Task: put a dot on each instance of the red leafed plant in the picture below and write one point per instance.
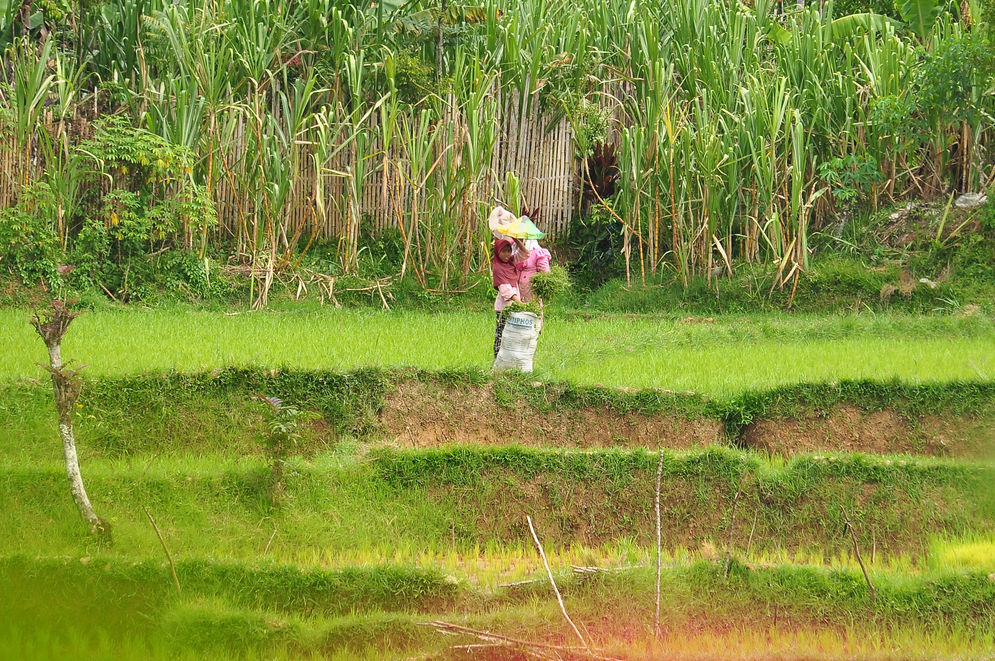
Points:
(602, 169)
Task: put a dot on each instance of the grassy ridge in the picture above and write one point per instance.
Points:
(282, 588)
(230, 609)
(217, 411)
(606, 495)
(465, 498)
(720, 358)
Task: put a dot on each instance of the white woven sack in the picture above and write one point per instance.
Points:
(518, 342)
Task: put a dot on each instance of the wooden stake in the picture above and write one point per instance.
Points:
(732, 525)
(659, 544)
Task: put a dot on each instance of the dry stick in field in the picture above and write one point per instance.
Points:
(513, 584)
(549, 572)
(856, 551)
(659, 544)
(384, 300)
(271, 537)
(158, 533)
(749, 542)
(732, 524)
(172, 567)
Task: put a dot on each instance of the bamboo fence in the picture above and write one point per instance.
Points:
(531, 145)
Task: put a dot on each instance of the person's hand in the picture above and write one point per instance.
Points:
(516, 298)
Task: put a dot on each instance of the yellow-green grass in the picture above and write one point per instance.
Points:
(446, 508)
(248, 612)
(721, 358)
(972, 553)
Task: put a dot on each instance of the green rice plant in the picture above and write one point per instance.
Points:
(328, 137)
(361, 163)
(258, 36)
(65, 175)
(116, 30)
(179, 115)
(512, 193)
(479, 109)
(548, 286)
(70, 82)
(614, 350)
(417, 142)
(209, 62)
(8, 24)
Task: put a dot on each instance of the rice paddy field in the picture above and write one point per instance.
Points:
(825, 489)
(721, 356)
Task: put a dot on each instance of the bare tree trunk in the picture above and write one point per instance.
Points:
(65, 384)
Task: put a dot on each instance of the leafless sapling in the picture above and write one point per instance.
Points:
(52, 324)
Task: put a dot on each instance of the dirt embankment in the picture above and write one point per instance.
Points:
(848, 428)
(423, 414)
(428, 414)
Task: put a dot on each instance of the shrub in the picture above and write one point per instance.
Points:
(281, 438)
(883, 7)
(597, 242)
(28, 241)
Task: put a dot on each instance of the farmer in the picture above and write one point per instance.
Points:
(505, 280)
(527, 255)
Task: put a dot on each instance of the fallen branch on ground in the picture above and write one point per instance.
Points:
(578, 569)
(448, 628)
(556, 590)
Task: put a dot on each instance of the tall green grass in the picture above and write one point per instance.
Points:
(724, 114)
(721, 358)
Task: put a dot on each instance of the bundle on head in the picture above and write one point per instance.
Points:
(554, 283)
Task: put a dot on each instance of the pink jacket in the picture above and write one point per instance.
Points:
(538, 260)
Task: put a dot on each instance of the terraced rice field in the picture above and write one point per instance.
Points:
(406, 500)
